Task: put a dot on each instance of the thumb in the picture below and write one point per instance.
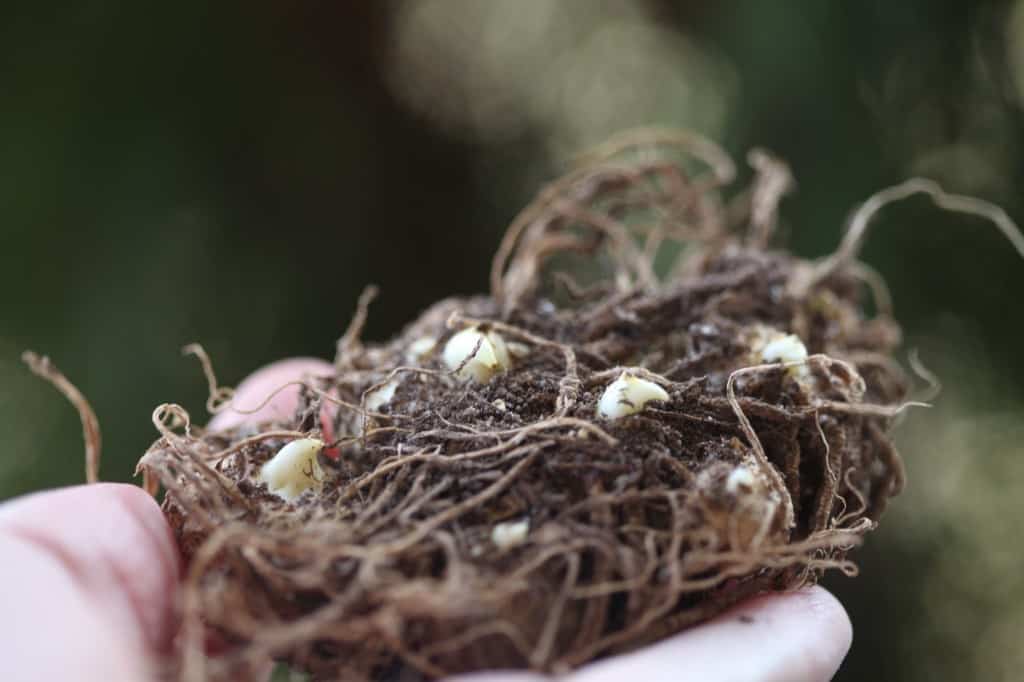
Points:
(87, 584)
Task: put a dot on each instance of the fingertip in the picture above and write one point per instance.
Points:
(258, 386)
(799, 636)
(143, 507)
(833, 617)
(113, 538)
(812, 633)
(93, 567)
(824, 654)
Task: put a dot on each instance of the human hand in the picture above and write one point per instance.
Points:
(90, 573)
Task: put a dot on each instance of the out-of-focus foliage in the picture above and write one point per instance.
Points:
(192, 172)
(573, 72)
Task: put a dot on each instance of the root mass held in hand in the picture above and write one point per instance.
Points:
(466, 519)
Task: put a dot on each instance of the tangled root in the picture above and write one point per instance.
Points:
(462, 526)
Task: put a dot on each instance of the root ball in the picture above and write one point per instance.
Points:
(479, 519)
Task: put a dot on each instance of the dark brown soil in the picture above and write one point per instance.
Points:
(638, 527)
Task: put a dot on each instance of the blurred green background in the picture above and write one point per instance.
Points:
(195, 172)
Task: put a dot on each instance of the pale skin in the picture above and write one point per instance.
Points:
(90, 572)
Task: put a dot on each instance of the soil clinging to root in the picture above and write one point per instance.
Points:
(458, 524)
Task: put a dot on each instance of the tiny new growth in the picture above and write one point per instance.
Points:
(510, 533)
(381, 395)
(476, 354)
(787, 349)
(741, 478)
(294, 469)
(627, 395)
(420, 348)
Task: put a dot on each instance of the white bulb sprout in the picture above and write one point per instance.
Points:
(627, 395)
(510, 533)
(381, 395)
(517, 349)
(490, 357)
(786, 349)
(420, 348)
(740, 477)
(294, 469)
(375, 398)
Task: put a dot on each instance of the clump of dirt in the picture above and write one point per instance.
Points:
(459, 525)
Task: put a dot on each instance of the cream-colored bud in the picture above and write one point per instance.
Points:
(490, 356)
(294, 469)
(510, 533)
(740, 478)
(517, 349)
(420, 348)
(787, 349)
(627, 395)
(381, 395)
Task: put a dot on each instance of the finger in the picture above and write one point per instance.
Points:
(87, 584)
(255, 389)
(800, 636)
(796, 637)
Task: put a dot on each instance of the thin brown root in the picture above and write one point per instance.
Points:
(748, 429)
(259, 438)
(772, 182)
(854, 238)
(651, 138)
(933, 385)
(867, 410)
(270, 396)
(862, 504)
(876, 283)
(349, 341)
(580, 212)
(219, 396)
(829, 489)
(43, 367)
(167, 417)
